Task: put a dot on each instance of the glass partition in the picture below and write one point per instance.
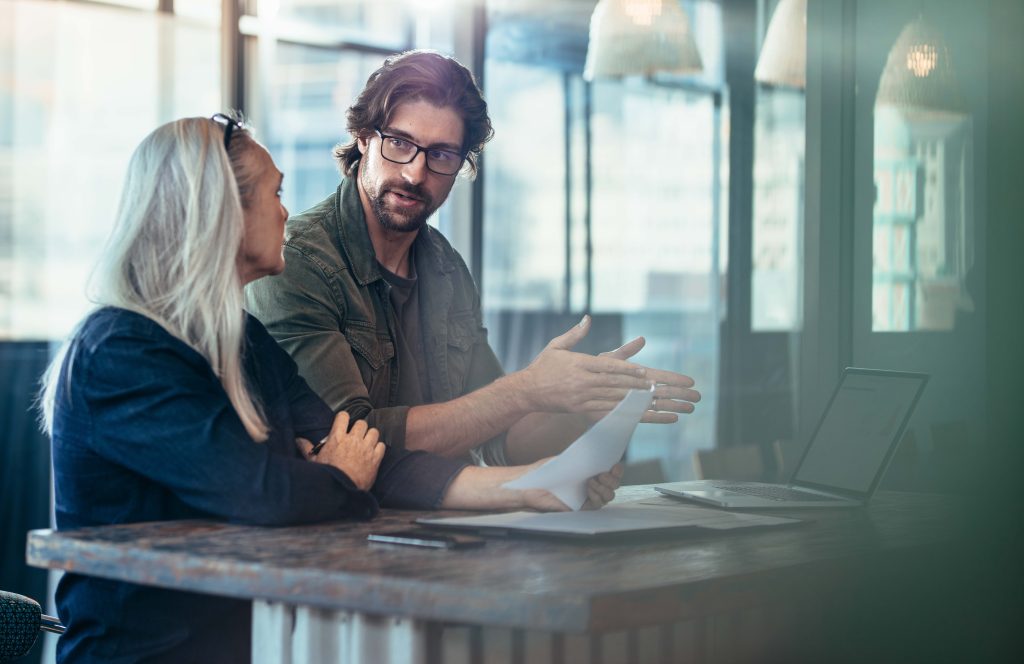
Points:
(606, 198)
(73, 109)
(923, 222)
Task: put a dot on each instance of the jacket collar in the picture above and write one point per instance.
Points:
(354, 243)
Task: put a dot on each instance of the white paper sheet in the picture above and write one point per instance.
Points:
(597, 450)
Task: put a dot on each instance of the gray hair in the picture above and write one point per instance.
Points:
(172, 255)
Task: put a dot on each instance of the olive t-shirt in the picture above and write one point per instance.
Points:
(413, 387)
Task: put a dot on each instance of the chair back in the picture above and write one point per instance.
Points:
(21, 619)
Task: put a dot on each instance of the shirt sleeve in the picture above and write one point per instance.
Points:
(414, 480)
(157, 409)
(405, 480)
(300, 309)
(484, 369)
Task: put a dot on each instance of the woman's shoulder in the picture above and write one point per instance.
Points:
(115, 345)
(256, 333)
(107, 324)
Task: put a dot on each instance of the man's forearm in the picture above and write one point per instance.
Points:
(454, 427)
(540, 435)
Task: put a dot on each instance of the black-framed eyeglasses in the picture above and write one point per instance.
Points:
(230, 125)
(402, 151)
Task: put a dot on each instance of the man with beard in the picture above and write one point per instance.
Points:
(381, 313)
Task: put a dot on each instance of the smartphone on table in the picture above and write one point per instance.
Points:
(427, 539)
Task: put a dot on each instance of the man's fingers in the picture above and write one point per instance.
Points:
(651, 417)
(597, 380)
(572, 336)
(378, 452)
(669, 378)
(372, 436)
(627, 350)
(598, 405)
(671, 406)
(605, 364)
(605, 394)
(663, 392)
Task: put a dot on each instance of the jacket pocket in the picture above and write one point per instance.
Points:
(462, 336)
(375, 348)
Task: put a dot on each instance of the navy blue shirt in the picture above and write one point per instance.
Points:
(143, 431)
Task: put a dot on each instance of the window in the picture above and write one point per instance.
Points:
(300, 96)
(74, 109)
(605, 198)
(777, 258)
(524, 189)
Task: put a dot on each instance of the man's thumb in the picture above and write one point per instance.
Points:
(572, 336)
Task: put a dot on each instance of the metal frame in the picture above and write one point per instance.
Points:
(826, 340)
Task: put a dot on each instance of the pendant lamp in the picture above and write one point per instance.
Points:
(783, 59)
(919, 77)
(640, 38)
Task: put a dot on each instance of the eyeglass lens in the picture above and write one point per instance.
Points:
(403, 151)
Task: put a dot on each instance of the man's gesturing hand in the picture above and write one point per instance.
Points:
(357, 453)
(562, 380)
(672, 391)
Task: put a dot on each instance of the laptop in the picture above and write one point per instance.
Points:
(846, 458)
(654, 516)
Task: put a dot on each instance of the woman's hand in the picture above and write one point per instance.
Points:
(356, 452)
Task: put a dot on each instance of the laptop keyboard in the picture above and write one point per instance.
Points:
(773, 492)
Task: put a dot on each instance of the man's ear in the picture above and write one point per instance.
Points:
(362, 143)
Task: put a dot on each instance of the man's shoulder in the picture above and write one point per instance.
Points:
(311, 237)
(309, 227)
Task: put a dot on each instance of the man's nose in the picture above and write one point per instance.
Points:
(416, 170)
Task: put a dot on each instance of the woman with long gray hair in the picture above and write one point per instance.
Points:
(171, 402)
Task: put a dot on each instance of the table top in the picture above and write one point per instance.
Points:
(520, 583)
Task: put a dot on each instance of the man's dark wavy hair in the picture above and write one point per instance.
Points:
(417, 76)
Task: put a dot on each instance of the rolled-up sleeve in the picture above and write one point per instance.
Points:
(405, 479)
(302, 309)
(484, 369)
(414, 480)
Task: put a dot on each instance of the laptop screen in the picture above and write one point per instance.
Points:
(859, 427)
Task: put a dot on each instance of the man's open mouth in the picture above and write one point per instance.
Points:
(406, 196)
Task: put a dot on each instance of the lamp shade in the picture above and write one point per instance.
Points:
(640, 37)
(919, 75)
(783, 59)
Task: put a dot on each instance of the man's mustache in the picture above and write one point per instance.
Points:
(411, 191)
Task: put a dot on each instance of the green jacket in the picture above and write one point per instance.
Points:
(331, 310)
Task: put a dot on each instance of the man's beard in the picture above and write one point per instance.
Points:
(396, 221)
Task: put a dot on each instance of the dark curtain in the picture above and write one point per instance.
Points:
(24, 469)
